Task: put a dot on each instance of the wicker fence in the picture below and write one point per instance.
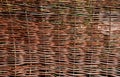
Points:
(59, 38)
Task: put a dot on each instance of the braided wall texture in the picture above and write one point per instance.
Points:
(59, 38)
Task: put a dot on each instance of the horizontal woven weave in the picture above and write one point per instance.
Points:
(59, 38)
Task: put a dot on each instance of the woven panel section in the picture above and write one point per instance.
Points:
(59, 38)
